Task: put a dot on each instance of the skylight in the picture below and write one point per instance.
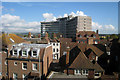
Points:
(12, 40)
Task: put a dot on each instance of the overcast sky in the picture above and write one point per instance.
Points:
(26, 16)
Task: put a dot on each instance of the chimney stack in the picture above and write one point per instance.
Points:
(29, 35)
(39, 35)
(97, 31)
(54, 35)
(67, 55)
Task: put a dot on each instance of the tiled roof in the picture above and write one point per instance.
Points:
(82, 62)
(11, 39)
(97, 51)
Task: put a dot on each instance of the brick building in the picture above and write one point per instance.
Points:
(89, 37)
(28, 61)
(23, 60)
(80, 59)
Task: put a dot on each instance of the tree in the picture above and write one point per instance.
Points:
(113, 36)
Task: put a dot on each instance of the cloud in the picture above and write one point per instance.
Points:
(104, 29)
(49, 17)
(78, 13)
(11, 23)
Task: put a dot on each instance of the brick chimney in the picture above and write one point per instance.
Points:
(46, 35)
(29, 35)
(39, 35)
(97, 31)
(67, 55)
(54, 35)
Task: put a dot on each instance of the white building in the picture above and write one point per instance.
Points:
(56, 50)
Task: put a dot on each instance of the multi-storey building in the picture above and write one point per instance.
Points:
(28, 61)
(19, 59)
(67, 26)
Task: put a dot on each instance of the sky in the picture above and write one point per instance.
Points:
(26, 16)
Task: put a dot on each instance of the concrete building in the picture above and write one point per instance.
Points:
(67, 26)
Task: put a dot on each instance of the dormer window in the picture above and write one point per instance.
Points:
(94, 36)
(25, 52)
(35, 52)
(16, 51)
(80, 36)
(86, 36)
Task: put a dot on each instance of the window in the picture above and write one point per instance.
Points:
(6, 62)
(53, 49)
(55, 56)
(96, 42)
(15, 76)
(57, 44)
(24, 76)
(94, 36)
(57, 50)
(34, 53)
(53, 44)
(85, 72)
(96, 74)
(34, 66)
(24, 53)
(77, 72)
(93, 57)
(0, 73)
(84, 25)
(6, 74)
(24, 66)
(108, 53)
(15, 63)
(15, 52)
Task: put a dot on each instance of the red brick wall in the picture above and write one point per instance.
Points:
(47, 55)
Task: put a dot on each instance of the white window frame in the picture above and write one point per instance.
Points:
(27, 50)
(15, 63)
(0, 73)
(37, 52)
(77, 72)
(6, 62)
(85, 72)
(14, 76)
(23, 76)
(96, 42)
(34, 64)
(14, 53)
(23, 66)
(55, 56)
(108, 52)
(97, 73)
(17, 52)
